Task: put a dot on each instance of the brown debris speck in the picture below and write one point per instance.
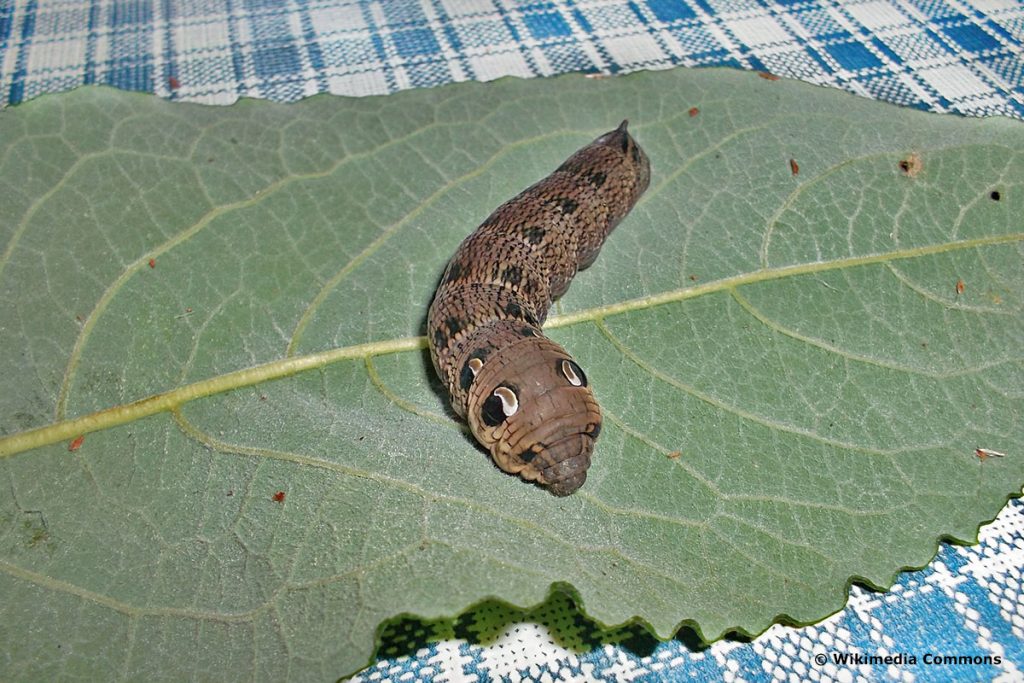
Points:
(911, 165)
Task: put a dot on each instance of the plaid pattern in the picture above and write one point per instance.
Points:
(963, 56)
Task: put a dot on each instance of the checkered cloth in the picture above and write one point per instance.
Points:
(969, 604)
(943, 55)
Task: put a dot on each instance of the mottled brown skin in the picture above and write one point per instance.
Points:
(524, 397)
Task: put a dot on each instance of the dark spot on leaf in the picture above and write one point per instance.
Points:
(911, 165)
(995, 195)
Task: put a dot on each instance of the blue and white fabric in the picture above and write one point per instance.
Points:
(963, 56)
(961, 619)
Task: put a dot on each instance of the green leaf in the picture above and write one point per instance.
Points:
(227, 302)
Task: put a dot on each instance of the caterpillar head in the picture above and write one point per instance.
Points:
(531, 405)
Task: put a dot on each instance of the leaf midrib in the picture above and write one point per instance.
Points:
(285, 367)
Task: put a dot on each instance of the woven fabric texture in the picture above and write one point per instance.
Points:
(942, 55)
(961, 619)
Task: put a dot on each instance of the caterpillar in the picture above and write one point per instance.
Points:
(525, 399)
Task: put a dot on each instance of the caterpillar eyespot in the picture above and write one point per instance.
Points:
(526, 400)
(573, 373)
(509, 401)
(495, 409)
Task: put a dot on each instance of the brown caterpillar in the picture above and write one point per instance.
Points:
(524, 397)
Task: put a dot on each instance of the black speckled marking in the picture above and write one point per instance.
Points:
(454, 272)
(512, 275)
(566, 204)
(440, 338)
(535, 234)
(454, 326)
